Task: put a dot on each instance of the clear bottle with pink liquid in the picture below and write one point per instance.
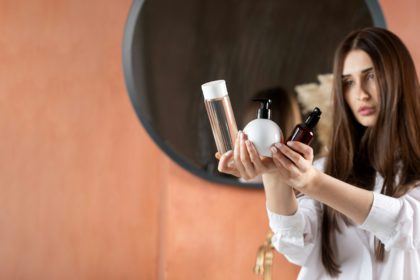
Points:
(220, 113)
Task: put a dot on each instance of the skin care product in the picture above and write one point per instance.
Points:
(262, 131)
(219, 110)
(304, 132)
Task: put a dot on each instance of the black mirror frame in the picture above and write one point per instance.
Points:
(130, 74)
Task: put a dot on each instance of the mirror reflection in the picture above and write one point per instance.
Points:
(261, 48)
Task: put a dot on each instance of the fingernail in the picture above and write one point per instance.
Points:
(273, 150)
(238, 136)
(290, 143)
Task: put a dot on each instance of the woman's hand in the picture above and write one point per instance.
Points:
(294, 162)
(244, 161)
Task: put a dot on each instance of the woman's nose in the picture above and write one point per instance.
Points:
(362, 94)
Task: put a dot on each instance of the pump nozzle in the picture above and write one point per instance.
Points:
(313, 118)
(264, 111)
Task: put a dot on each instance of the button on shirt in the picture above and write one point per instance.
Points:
(394, 221)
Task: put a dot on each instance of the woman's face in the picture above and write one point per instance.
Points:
(360, 87)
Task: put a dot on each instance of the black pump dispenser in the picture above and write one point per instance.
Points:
(264, 111)
(313, 118)
(304, 132)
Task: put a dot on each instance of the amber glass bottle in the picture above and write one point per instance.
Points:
(304, 132)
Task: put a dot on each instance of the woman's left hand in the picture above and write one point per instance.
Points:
(295, 159)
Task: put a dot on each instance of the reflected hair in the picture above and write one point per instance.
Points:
(390, 147)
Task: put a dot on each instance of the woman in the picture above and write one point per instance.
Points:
(360, 217)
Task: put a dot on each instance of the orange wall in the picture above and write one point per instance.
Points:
(77, 195)
(84, 193)
(403, 18)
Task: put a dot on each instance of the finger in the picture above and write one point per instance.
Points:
(254, 157)
(224, 161)
(289, 153)
(245, 158)
(305, 150)
(217, 155)
(225, 165)
(280, 160)
(237, 156)
(284, 165)
(275, 156)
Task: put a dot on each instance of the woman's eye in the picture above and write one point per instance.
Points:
(347, 83)
(370, 76)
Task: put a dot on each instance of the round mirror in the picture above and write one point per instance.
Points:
(172, 47)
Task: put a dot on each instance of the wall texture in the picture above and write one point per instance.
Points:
(84, 192)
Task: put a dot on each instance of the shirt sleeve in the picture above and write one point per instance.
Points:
(296, 236)
(395, 221)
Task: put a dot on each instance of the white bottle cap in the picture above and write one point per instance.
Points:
(214, 89)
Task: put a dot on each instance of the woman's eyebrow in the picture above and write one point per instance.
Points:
(367, 70)
(363, 71)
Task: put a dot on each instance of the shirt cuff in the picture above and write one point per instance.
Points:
(382, 217)
(279, 222)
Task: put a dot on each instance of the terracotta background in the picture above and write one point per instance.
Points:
(84, 192)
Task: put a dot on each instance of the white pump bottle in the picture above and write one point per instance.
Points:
(263, 132)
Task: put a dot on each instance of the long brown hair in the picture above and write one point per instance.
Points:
(390, 147)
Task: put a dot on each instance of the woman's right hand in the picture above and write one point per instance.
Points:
(244, 161)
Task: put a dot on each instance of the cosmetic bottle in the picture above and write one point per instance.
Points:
(304, 132)
(262, 131)
(219, 110)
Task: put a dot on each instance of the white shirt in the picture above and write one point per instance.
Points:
(394, 221)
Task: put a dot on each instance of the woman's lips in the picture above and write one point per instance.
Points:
(366, 111)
